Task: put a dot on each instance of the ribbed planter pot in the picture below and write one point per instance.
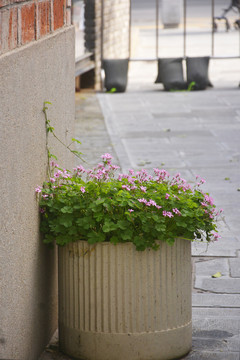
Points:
(116, 303)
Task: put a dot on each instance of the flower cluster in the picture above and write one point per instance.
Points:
(100, 205)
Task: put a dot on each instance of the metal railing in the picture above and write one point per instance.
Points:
(184, 33)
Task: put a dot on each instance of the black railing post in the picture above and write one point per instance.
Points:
(130, 30)
(157, 22)
(102, 40)
(213, 27)
(184, 26)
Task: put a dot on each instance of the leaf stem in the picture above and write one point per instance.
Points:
(50, 129)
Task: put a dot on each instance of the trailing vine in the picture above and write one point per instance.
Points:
(50, 129)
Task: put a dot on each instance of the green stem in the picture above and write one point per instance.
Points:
(50, 129)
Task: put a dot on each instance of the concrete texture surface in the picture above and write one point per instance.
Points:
(38, 72)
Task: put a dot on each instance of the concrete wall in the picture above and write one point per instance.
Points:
(115, 30)
(29, 75)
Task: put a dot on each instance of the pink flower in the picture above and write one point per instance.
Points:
(38, 189)
(122, 176)
(80, 168)
(57, 174)
(130, 210)
(167, 196)
(209, 199)
(167, 213)
(143, 188)
(216, 236)
(115, 167)
(100, 166)
(126, 187)
(142, 200)
(106, 156)
(131, 180)
(151, 202)
(53, 164)
(176, 211)
(52, 180)
(82, 189)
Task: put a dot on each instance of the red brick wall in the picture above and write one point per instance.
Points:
(23, 21)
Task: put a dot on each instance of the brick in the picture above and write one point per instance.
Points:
(69, 17)
(0, 32)
(43, 22)
(12, 33)
(4, 3)
(28, 23)
(8, 29)
(59, 7)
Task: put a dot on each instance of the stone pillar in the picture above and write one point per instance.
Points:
(113, 31)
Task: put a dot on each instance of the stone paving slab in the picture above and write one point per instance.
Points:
(218, 285)
(209, 267)
(215, 300)
(215, 334)
(235, 267)
(208, 355)
(226, 246)
(216, 319)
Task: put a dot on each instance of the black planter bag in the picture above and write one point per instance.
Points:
(116, 74)
(197, 71)
(170, 74)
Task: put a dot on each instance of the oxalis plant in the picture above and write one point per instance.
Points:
(102, 204)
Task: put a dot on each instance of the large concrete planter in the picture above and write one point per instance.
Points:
(116, 303)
